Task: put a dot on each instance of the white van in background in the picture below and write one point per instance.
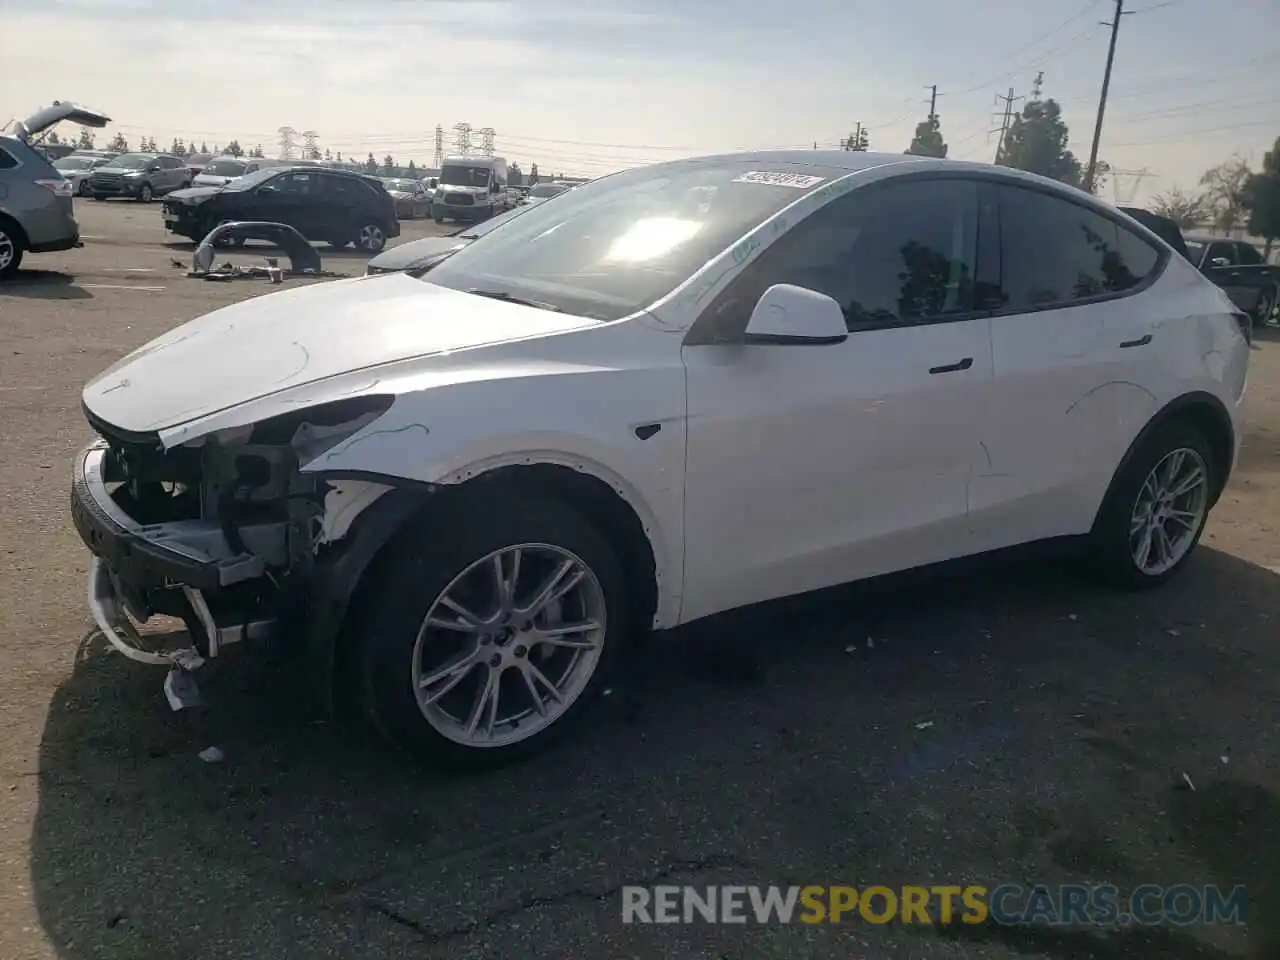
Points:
(220, 171)
(471, 188)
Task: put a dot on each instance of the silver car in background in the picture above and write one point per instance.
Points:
(77, 169)
(36, 212)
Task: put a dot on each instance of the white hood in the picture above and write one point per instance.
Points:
(281, 341)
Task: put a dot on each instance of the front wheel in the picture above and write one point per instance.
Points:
(486, 641)
(371, 238)
(1156, 510)
(83, 190)
(1266, 309)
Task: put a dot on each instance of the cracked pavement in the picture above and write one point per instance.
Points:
(776, 746)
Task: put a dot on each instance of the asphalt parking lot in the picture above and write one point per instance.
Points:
(1014, 725)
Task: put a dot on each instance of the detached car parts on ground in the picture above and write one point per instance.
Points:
(466, 494)
(36, 208)
(340, 207)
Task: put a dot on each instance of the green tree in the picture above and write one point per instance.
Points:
(533, 174)
(1036, 141)
(514, 175)
(412, 171)
(1185, 209)
(328, 155)
(85, 141)
(204, 147)
(233, 149)
(1224, 191)
(119, 144)
(388, 166)
(928, 140)
(1262, 198)
(257, 153)
(52, 139)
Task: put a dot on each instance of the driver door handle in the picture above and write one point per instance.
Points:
(964, 364)
(1140, 342)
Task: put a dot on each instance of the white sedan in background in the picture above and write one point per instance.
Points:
(677, 390)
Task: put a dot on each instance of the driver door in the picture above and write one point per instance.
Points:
(293, 199)
(809, 466)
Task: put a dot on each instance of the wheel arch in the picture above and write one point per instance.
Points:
(17, 226)
(1200, 409)
(345, 573)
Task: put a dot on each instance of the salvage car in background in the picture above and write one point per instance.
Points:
(77, 170)
(36, 206)
(412, 198)
(220, 171)
(139, 176)
(674, 391)
(1239, 268)
(540, 192)
(338, 206)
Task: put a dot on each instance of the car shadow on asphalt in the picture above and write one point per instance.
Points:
(1017, 723)
(43, 285)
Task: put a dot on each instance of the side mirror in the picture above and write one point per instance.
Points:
(787, 315)
(154, 168)
(268, 188)
(1220, 262)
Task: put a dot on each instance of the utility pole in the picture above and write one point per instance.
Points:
(857, 140)
(933, 100)
(1102, 100)
(1005, 121)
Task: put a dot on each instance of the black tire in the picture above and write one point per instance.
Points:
(1110, 550)
(418, 567)
(84, 189)
(145, 193)
(13, 244)
(371, 237)
(100, 196)
(339, 244)
(1265, 311)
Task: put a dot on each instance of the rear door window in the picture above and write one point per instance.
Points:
(1055, 252)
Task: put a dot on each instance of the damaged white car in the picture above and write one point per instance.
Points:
(676, 390)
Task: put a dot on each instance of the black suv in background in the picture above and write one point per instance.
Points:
(338, 206)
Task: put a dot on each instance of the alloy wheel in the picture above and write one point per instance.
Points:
(8, 250)
(372, 238)
(509, 645)
(1169, 511)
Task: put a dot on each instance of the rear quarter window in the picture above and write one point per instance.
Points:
(7, 160)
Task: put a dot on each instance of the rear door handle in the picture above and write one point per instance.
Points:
(964, 364)
(1140, 342)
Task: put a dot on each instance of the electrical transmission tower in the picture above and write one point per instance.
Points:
(487, 135)
(310, 149)
(1132, 180)
(437, 159)
(857, 140)
(288, 146)
(462, 139)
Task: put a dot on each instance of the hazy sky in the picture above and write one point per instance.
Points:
(593, 87)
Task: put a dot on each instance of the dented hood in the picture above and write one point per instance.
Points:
(272, 344)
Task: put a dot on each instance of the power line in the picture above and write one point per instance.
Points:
(1194, 134)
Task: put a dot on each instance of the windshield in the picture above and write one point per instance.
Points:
(133, 161)
(464, 176)
(226, 168)
(402, 186)
(74, 163)
(547, 190)
(615, 246)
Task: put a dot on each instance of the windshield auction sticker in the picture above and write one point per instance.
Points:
(797, 180)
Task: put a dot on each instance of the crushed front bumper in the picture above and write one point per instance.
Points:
(130, 558)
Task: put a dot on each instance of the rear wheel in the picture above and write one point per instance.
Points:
(1157, 508)
(371, 238)
(84, 188)
(1266, 309)
(145, 193)
(12, 245)
(488, 639)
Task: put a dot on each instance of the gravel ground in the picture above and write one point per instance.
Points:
(1011, 725)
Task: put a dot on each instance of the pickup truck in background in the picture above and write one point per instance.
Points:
(1234, 265)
